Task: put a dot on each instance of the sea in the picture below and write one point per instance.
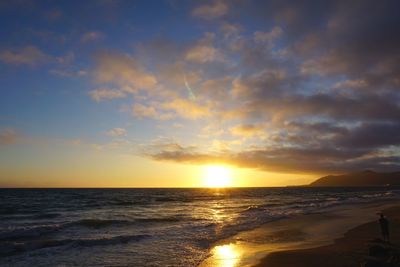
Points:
(148, 227)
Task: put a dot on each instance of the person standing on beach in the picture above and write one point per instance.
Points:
(384, 223)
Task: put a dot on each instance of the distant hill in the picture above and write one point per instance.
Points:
(364, 178)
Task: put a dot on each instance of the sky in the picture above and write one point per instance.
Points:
(114, 93)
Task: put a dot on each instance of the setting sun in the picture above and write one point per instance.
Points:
(217, 176)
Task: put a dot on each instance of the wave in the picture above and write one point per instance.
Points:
(254, 208)
(159, 220)
(10, 248)
(29, 231)
(21, 216)
(170, 199)
(102, 223)
(109, 241)
(35, 231)
(376, 195)
(46, 216)
(98, 223)
(126, 203)
(8, 211)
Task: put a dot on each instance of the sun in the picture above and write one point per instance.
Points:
(217, 176)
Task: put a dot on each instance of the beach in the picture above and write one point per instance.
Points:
(335, 237)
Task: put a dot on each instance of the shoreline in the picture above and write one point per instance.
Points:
(281, 243)
(349, 250)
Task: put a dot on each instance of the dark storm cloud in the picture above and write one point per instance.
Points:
(359, 39)
(372, 135)
(294, 159)
(352, 38)
(364, 108)
(370, 107)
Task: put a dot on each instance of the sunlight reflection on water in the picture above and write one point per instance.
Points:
(226, 255)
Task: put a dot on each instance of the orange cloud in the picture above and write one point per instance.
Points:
(186, 108)
(122, 70)
(152, 110)
(248, 130)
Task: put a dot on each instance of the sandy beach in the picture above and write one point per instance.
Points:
(336, 237)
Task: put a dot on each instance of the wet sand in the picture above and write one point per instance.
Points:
(349, 250)
(321, 239)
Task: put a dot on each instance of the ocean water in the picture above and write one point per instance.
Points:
(147, 227)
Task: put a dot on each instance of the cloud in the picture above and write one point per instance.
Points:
(229, 29)
(204, 51)
(268, 37)
(92, 36)
(186, 108)
(216, 89)
(149, 111)
(169, 150)
(117, 132)
(101, 94)
(8, 136)
(367, 107)
(28, 55)
(288, 160)
(215, 9)
(268, 82)
(352, 84)
(353, 43)
(372, 135)
(178, 125)
(248, 130)
(314, 88)
(68, 72)
(122, 70)
(170, 109)
(66, 59)
(203, 54)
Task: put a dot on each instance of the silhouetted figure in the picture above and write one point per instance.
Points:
(384, 223)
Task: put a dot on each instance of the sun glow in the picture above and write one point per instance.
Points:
(226, 255)
(217, 176)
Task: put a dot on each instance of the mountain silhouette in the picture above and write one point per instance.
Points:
(364, 178)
